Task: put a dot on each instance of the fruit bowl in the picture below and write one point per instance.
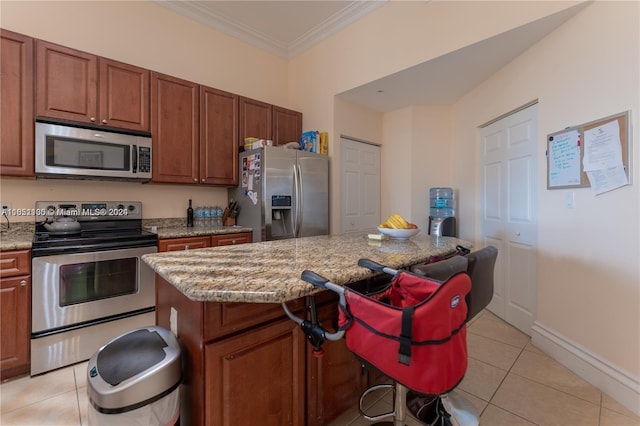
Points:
(399, 234)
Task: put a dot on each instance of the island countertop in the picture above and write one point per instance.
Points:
(269, 272)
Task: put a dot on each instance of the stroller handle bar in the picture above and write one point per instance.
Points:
(319, 281)
(376, 267)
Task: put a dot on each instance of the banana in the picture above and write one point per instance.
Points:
(395, 221)
(402, 223)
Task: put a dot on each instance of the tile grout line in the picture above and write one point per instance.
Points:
(522, 350)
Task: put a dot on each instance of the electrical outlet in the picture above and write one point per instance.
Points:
(6, 208)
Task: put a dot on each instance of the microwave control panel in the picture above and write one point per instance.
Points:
(144, 159)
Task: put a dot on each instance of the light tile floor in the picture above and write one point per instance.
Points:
(512, 383)
(509, 381)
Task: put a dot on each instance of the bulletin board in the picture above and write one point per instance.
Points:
(566, 151)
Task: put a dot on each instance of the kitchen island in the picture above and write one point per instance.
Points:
(269, 272)
(244, 361)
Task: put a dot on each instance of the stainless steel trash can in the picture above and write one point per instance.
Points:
(135, 379)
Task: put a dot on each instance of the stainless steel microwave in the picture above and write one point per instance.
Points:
(73, 152)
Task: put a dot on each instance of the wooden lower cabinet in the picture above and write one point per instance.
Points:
(256, 377)
(15, 307)
(235, 356)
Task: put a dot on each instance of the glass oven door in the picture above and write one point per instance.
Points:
(70, 289)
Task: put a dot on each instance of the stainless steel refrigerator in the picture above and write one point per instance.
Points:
(283, 193)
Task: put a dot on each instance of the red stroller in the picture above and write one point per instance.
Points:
(413, 330)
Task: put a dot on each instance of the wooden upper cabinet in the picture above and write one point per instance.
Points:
(78, 86)
(287, 125)
(218, 137)
(124, 95)
(16, 104)
(174, 126)
(66, 83)
(255, 119)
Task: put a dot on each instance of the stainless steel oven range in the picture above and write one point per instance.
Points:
(89, 283)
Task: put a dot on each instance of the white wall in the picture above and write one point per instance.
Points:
(589, 257)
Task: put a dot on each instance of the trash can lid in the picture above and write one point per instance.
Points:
(130, 355)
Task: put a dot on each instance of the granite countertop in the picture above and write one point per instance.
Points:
(177, 228)
(183, 231)
(19, 236)
(269, 272)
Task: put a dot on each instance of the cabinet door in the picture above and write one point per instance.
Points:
(231, 239)
(256, 377)
(176, 244)
(124, 95)
(66, 83)
(218, 137)
(15, 300)
(287, 125)
(255, 119)
(174, 128)
(334, 381)
(16, 104)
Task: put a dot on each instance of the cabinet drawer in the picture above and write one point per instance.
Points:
(14, 263)
(230, 239)
(176, 244)
(221, 319)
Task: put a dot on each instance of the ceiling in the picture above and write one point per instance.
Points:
(287, 28)
(284, 28)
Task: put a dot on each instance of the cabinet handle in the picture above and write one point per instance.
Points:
(195, 180)
(233, 241)
(186, 247)
(23, 283)
(104, 121)
(92, 119)
(203, 180)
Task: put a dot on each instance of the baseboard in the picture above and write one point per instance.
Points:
(615, 382)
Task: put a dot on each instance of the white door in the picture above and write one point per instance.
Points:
(509, 213)
(360, 177)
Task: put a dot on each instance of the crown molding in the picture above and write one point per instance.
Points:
(333, 24)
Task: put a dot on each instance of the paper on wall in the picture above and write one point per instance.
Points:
(602, 148)
(603, 158)
(604, 180)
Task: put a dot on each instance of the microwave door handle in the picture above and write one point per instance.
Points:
(134, 158)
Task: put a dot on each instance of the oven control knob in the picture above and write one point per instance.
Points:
(120, 207)
(131, 207)
(51, 210)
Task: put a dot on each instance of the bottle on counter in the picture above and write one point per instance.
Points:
(190, 215)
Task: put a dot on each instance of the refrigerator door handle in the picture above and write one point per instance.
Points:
(296, 194)
(300, 207)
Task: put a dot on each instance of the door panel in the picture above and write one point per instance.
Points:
(360, 177)
(509, 213)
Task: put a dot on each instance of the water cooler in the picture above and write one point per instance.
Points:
(442, 212)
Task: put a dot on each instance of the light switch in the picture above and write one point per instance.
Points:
(570, 200)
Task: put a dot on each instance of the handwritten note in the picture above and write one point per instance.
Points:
(564, 159)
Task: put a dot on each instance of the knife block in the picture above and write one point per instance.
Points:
(230, 221)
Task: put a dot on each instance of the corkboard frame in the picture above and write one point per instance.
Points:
(624, 124)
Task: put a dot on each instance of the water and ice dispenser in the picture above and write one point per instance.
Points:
(442, 212)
